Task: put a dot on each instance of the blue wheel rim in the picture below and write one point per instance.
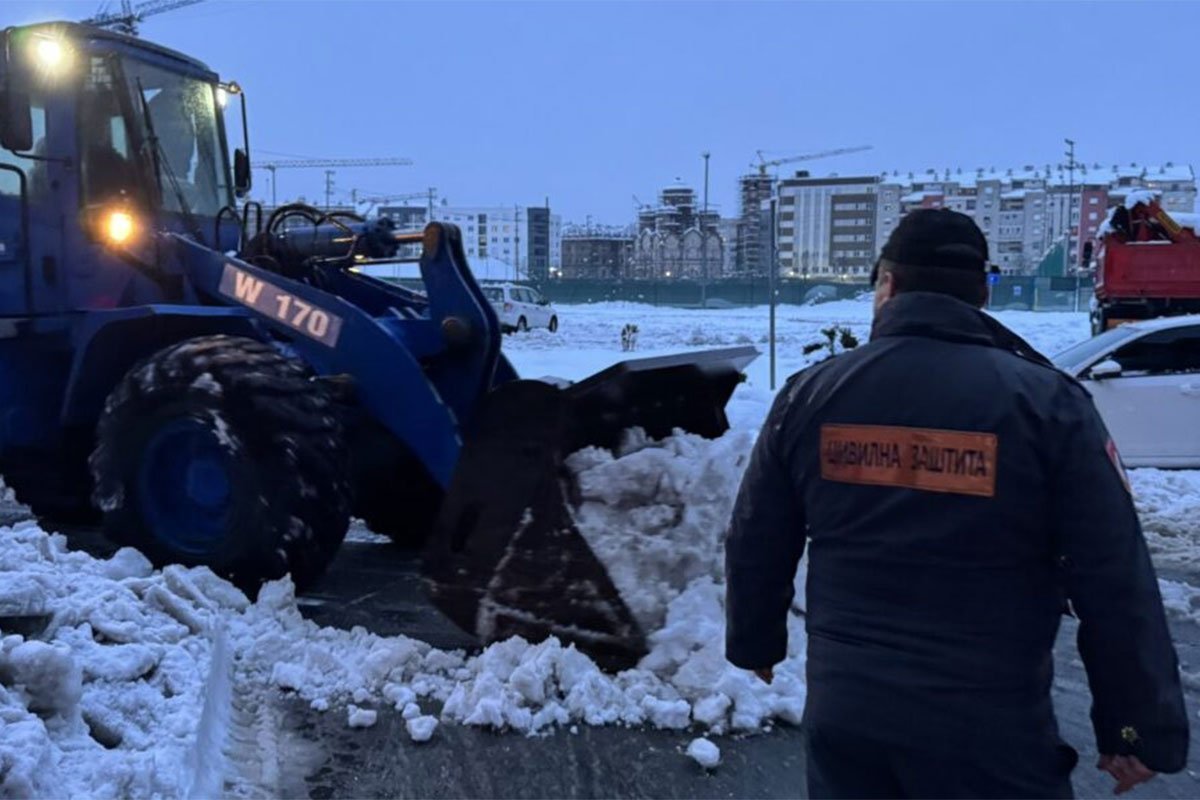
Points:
(185, 487)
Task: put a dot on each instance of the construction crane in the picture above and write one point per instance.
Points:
(763, 164)
(313, 163)
(127, 18)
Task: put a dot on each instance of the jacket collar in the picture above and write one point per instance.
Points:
(940, 316)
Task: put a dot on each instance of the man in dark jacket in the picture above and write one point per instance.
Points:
(955, 491)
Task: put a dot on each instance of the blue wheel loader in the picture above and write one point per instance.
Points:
(215, 388)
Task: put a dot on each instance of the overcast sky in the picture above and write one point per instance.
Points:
(590, 103)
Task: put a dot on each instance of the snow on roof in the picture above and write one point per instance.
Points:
(1135, 196)
(1170, 173)
(1057, 176)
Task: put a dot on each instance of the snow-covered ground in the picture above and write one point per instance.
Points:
(126, 691)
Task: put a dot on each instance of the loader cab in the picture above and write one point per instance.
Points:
(105, 140)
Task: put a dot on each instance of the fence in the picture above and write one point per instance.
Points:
(1011, 292)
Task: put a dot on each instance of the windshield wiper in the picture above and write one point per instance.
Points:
(159, 157)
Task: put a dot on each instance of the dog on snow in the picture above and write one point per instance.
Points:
(629, 336)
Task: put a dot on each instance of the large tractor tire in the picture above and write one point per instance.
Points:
(221, 451)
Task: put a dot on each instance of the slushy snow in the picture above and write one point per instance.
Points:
(116, 685)
(103, 694)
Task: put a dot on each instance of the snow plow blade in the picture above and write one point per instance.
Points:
(505, 557)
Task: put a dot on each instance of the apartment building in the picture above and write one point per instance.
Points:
(500, 241)
(1023, 212)
(836, 226)
(826, 226)
(596, 251)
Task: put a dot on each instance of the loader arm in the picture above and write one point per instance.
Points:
(420, 373)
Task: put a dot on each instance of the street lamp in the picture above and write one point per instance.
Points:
(704, 238)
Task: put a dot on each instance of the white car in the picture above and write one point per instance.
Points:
(520, 307)
(1145, 379)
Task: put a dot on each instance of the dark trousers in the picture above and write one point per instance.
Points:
(847, 765)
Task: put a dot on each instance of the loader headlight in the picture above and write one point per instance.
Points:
(51, 53)
(119, 226)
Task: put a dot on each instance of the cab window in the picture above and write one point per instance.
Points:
(35, 171)
(108, 158)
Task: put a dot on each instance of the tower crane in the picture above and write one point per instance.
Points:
(127, 18)
(764, 164)
(313, 163)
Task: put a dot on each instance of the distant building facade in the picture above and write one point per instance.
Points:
(835, 226)
(519, 243)
(597, 252)
(826, 225)
(676, 240)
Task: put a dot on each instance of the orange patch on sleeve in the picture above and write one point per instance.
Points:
(955, 462)
(1115, 457)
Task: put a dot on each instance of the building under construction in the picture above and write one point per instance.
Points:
(678, 240)
(749, 255)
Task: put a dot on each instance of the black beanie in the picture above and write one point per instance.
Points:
(937, 237)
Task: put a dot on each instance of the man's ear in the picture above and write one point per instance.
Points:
(887, 283)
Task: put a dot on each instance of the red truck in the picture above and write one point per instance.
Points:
(1147, 265)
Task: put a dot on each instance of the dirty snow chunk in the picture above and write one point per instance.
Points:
(421, 728)
(360, 717)
(208, 384)
(411, 711)
(704, 753)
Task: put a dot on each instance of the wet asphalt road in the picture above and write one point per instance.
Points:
(377, 585)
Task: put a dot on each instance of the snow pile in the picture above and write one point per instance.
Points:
(1136, 196)
(104, 672)
(1181, 599)
(678, 491)
(655, 513)
(1168, 503)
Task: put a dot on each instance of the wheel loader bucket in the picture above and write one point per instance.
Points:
(505, 557)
